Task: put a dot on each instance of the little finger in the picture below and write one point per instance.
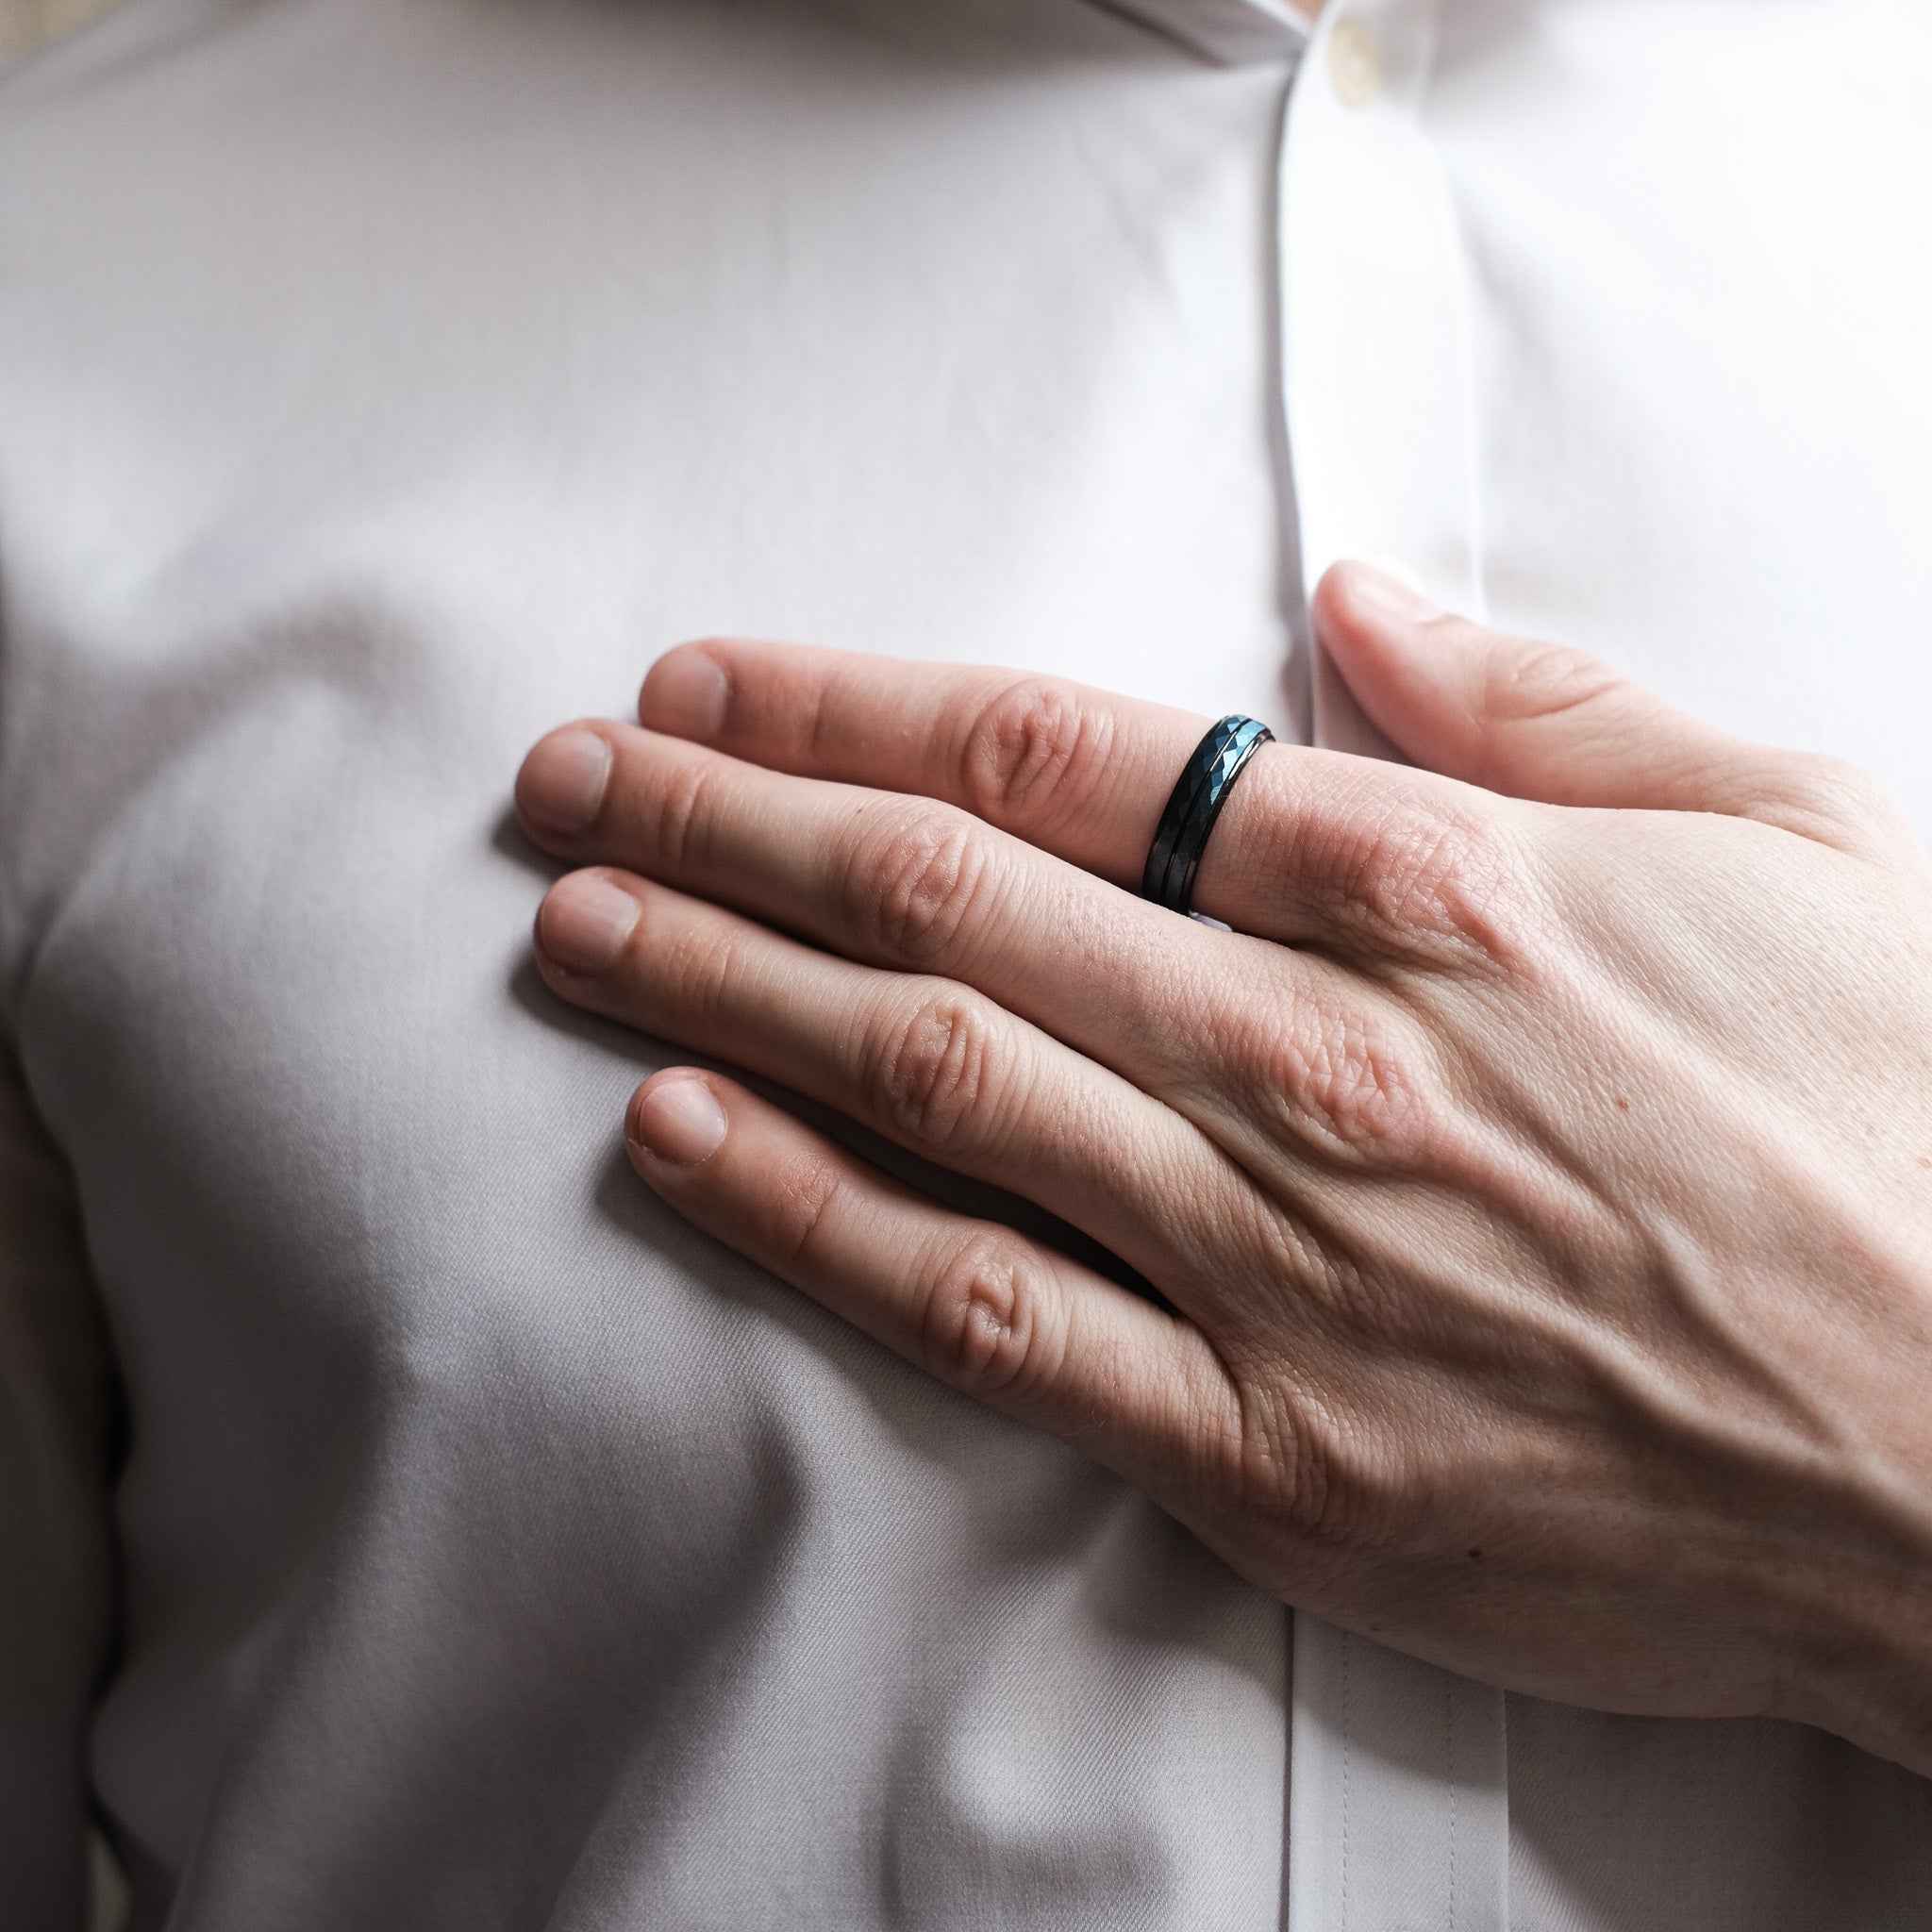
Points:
(988, 1311)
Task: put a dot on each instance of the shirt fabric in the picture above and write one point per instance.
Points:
(407, 1521)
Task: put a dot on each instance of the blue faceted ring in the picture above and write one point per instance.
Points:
(1199, 793)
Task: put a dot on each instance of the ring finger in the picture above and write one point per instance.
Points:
(1081, 772)
(913, 884)
(999, 1317)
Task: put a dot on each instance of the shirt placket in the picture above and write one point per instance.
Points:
(1398, 1809)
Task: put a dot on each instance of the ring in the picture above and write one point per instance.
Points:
(1199, 793)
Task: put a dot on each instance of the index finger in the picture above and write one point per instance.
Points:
(1081, 772)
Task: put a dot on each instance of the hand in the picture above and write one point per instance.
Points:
(1539, 1177)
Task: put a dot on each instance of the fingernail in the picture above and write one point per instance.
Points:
(563, 782)
(584, 922)
(1390, 597)
(678, 1121)
(684, 696)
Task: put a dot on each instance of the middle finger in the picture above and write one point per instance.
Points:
(912, 883)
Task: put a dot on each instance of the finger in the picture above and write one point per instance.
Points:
(1540, 722)
(988, 1311)
(931, 1064)
(1251, 1041)
(907, 883)
(1081, 773)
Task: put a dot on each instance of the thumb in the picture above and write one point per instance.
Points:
(1537, 721)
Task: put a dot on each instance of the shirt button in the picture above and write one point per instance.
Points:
(1355, 64)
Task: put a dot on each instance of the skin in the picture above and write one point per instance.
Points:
(1538, 1178)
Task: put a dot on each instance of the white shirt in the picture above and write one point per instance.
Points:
(383, 381)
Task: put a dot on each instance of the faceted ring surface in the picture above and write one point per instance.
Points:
(1199, 793)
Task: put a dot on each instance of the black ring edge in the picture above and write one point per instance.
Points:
(1192, 808)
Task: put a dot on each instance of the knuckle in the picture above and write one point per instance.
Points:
(1522, 682)
(1832, 791)
(693, 970)
(1456, 881)
(1339, 1082)
(986, 1324)
(681, 809)
(1284, 1469)
(930, 1070)
(917, 880)
(794, 1211)
(1264, 1459)
(1353, 1494)
(1328, 1479)
(1033, 753)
